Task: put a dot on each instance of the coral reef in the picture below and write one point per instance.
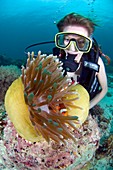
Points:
(104, 154)
(22, 154)
(7, 75)
(101, 159)
(98, 113)
(5, 61)
(106, 142)
(50, 112)
(107, 148)
(3, 117)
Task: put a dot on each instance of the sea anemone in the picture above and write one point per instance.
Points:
(42, 104)
(17, 153)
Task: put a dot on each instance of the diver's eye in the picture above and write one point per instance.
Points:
(81, 42)
(66, 39)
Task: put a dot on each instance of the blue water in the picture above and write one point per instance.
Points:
(24, 22)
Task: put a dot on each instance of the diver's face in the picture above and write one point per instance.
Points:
(78, 30)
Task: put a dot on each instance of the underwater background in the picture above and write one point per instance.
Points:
(26, 22)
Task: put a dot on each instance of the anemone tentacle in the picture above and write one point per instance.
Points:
(49, 104)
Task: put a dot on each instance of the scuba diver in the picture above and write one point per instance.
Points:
(81, 55)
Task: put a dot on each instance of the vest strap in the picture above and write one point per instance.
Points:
(92, 66)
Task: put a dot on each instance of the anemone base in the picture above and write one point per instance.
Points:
(19, 154)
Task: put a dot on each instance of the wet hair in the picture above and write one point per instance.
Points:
(76, 19)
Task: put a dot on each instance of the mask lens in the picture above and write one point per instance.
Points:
(83, 44)
(63, 40)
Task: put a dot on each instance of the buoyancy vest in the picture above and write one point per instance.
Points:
(89, 67)
(88, 77)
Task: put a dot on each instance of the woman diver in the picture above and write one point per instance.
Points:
(80, 55)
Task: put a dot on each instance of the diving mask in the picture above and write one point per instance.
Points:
(63, 40)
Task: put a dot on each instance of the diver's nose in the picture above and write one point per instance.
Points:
(73, 46)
